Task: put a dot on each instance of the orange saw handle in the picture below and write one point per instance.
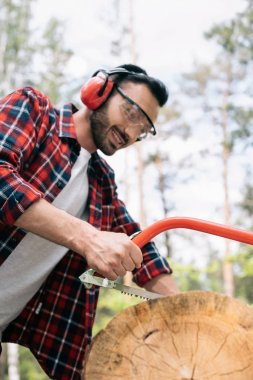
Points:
(222, 230)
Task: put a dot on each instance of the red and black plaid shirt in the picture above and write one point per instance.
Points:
(38, 148)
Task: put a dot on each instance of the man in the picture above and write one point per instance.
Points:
(60, 213)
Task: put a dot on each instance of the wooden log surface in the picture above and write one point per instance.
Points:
(195, 335)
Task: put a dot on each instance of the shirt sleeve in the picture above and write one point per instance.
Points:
(19, 122)
(153, 263)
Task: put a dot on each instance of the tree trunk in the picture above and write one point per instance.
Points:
(127, 279)
(13, 362)
(162, 188)
(228, 276)
(191, 336)
(140, 175)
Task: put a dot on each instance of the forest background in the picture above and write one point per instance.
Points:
(200, 163)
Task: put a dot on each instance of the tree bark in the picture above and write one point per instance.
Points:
(194, 335)
(162, 188)
(228, 276)
(13, 362)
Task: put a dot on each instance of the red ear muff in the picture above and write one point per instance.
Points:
(97, 90)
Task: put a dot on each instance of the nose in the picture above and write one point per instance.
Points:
(132, 132)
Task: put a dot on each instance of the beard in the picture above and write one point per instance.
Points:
(99, 122)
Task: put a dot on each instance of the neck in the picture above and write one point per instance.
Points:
(83, 130)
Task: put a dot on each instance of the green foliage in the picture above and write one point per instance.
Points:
(224, 36)
(236, 36)
(191, 277)
(26, 57)
(178, 125)
(213, 273)
(54, 58)
(15, 43)
(187, 276)
(244, 279)
(244, 288)
(218, 86)
(198, 79)
(244, 259)
(29, 367)
(243, 117)
(247, 202)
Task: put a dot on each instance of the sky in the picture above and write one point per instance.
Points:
(169, 34)
(169, 40)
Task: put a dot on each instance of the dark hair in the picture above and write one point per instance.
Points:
(156, 86)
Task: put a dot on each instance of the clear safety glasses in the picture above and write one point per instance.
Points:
(134, 114)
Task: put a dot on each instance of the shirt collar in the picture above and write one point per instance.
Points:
(66, 124)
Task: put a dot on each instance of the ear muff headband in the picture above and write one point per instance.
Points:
(97, 90)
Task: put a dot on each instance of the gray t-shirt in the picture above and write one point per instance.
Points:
(27, 267)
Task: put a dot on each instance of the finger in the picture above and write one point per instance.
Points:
(128, 263)
(114, 273)
(107, 273)
(112, 276)
(121, 271)
(136, 255)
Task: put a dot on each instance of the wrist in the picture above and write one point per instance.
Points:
(82, 236)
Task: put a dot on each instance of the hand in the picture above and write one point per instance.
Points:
(112, 254)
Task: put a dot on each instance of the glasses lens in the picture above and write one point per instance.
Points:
(134, 116)
(142, 135)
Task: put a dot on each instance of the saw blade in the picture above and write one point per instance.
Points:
(88, 279)
(142, 293)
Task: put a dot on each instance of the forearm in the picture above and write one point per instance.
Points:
(56, 225)
(111, 254)
(163, 284)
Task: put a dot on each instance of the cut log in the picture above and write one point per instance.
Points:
(193, 335)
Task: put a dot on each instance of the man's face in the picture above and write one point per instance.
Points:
(118, 124)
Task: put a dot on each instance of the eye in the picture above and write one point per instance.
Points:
(132, 114)
(125, 110)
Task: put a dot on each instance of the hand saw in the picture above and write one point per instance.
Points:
(143, 237)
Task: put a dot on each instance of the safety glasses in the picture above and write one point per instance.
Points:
(134, 114)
